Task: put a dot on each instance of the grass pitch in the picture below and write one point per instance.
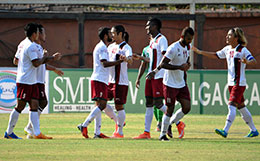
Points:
(199, 143)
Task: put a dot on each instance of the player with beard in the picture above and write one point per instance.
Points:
(99, 83)
(176, 63)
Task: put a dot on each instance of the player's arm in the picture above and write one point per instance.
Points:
(129, 60)
(46, 59)
(15, 61)
(248, 58)
(209, 54)
(166, 65)
(139, 57)
(106, 63)
(54, 69)
(140, 73)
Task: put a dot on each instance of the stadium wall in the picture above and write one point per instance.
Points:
(63, 36)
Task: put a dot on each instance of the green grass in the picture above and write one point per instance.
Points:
(199, 143)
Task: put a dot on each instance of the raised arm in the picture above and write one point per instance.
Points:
(212, 55)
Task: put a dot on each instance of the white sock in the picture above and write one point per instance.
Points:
(163, 108)
(121, 121)
(148, 119)
(14, 115)
(98, 124)
(177, 116)
(29, 125)
(246, 115)
(39, 112)
(34, 119)
(110, 113)
(91, 116)
(230, 117)
(165, 125)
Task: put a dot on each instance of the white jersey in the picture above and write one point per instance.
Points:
(118, 74)
(236, 69)
(157, 45)
(26, 72)
(100, 73)
(178, 56)
(41, 70)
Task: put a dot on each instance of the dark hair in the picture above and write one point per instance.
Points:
(102, 31)
(40, 28)
(156, 22)
(120, 28)
(30, 28)
(126, 37)
(187, 30)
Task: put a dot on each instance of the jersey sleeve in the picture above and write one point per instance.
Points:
(247, 54)
(128, 51)
(222, 53)
(170, 53)
(103, 54)
(32, 52)
(163, 43)
(17, 54)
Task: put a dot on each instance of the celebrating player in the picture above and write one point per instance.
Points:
(99, 83)
(118, 78)
(237, 56)
(176, 63)
(41, 71)
(153, 88)
(27, 89)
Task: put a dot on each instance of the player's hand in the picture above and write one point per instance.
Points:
(129, 60)
(243, 60)
(150, 75)
(185, 66)
(137, 84)
(57, 56)
(59, 72)
(122, 57)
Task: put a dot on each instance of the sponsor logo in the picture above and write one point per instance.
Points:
(8, 90)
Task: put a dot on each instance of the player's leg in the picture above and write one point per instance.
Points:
(99, 95)
(231, 112)
(120, 123)
(109, 111)
(247, 117)
(13, 118)
(179, 114)
(149, 110)
(166, 122)
(170, 97)
(120, 98)
(97, 130)
(28, 128)
(158, 116)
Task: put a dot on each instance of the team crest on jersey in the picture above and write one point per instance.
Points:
(8, 90)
